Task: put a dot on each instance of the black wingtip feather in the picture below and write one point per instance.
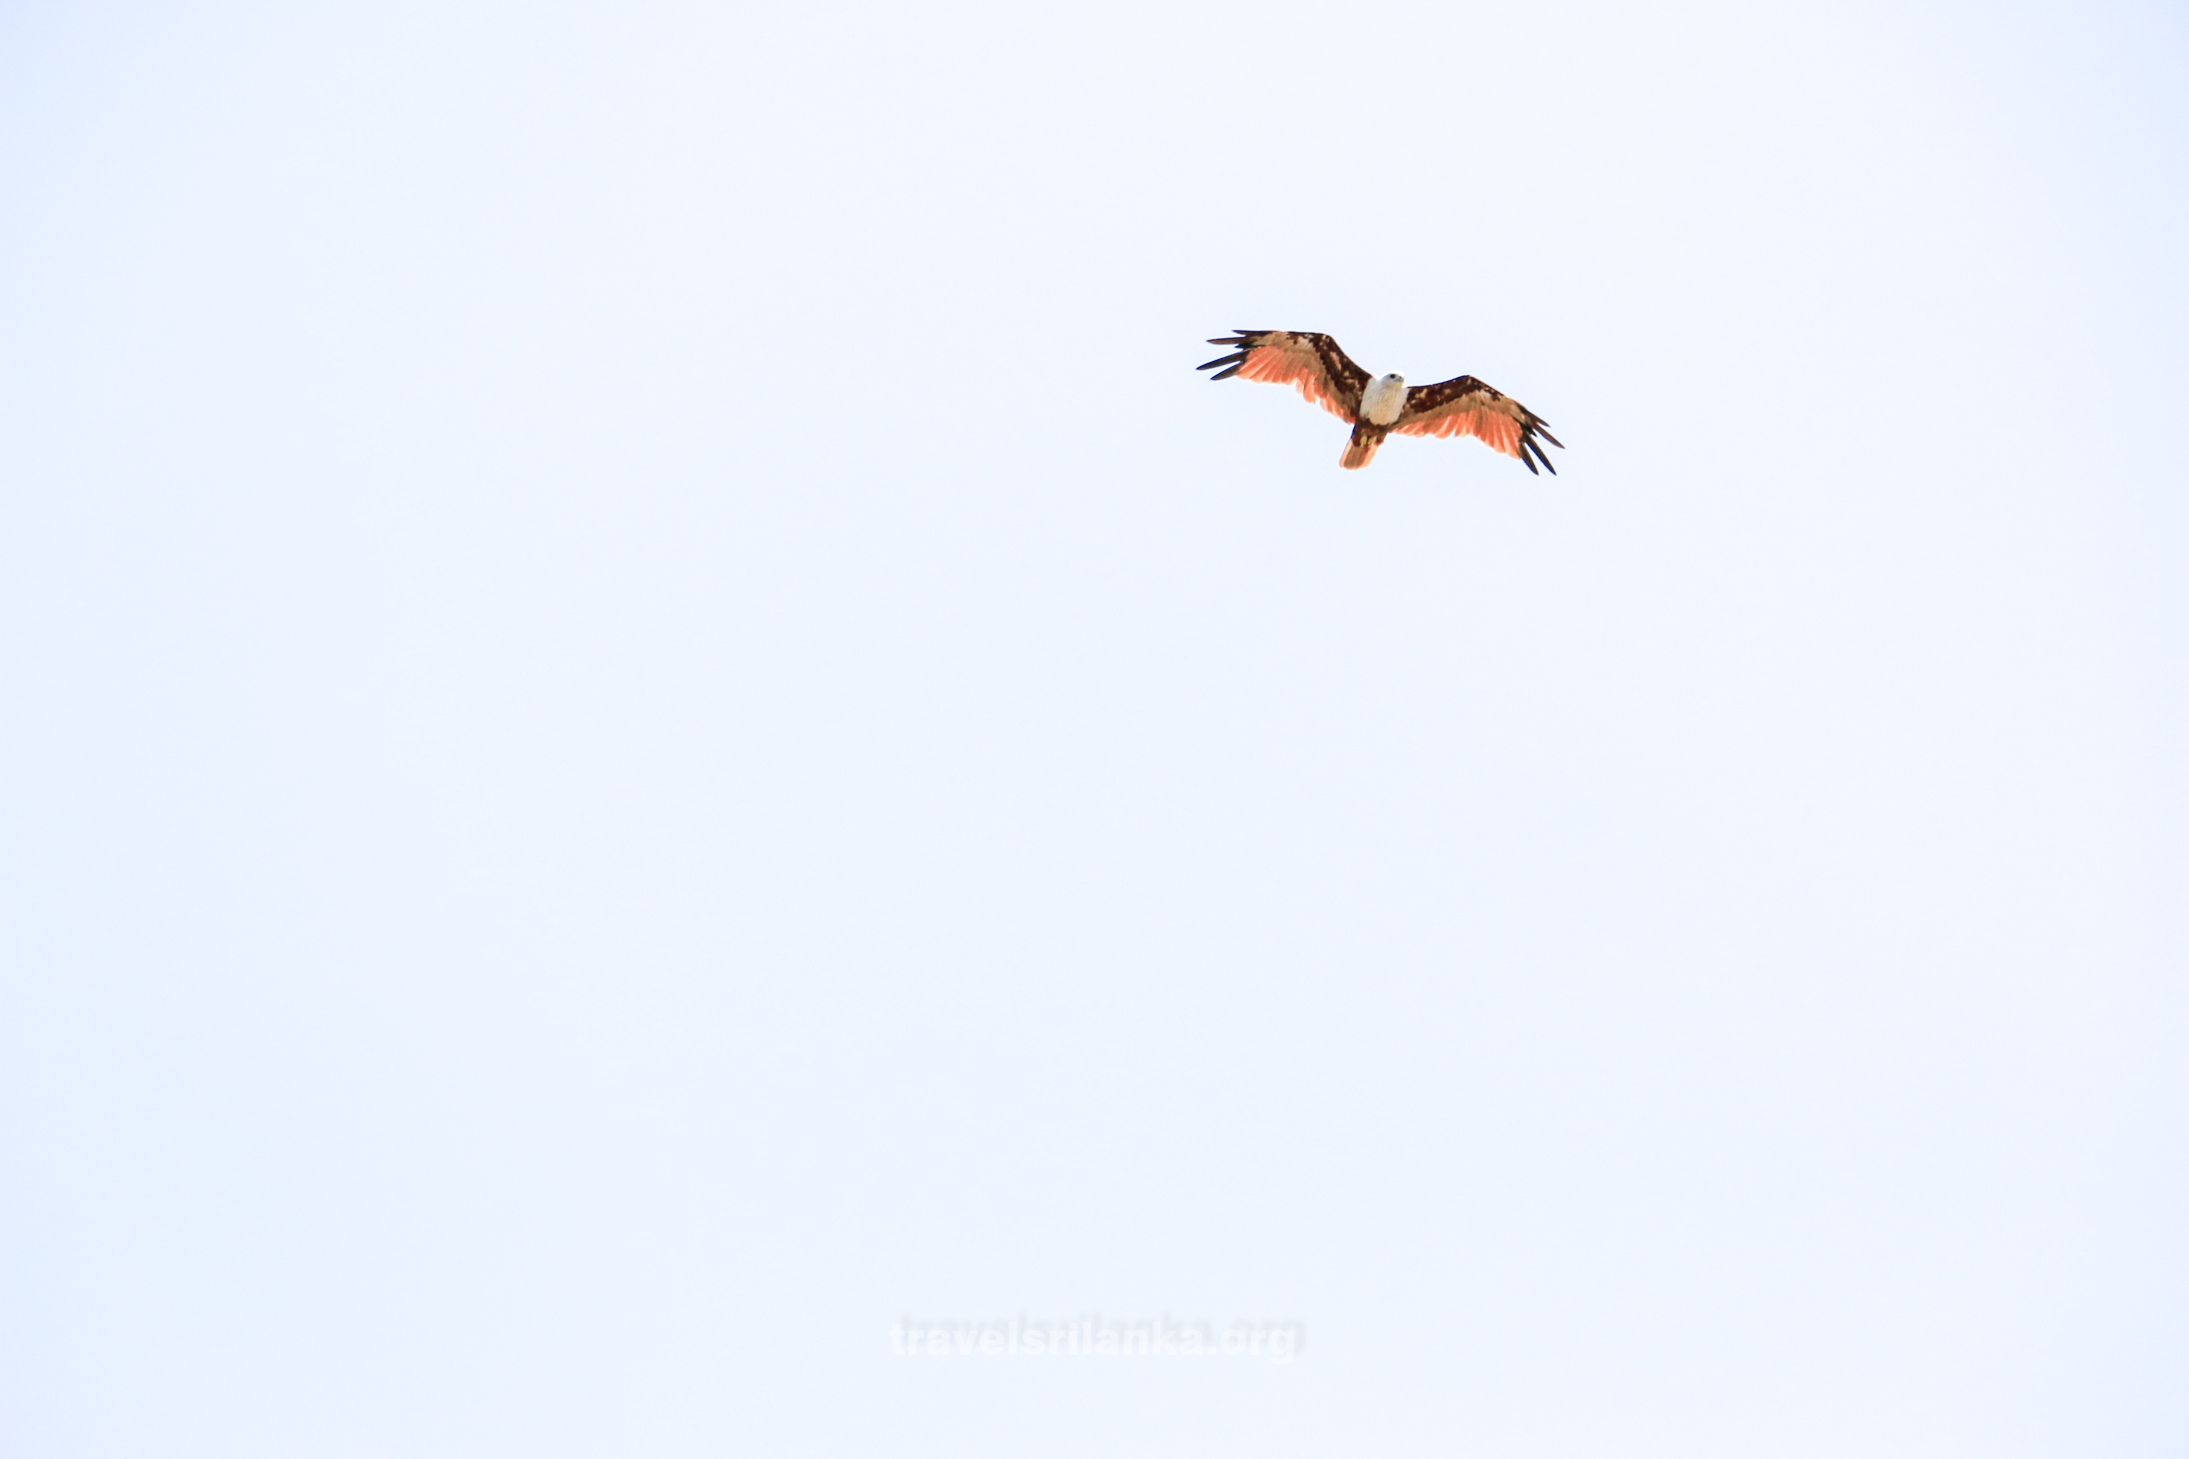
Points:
(1227, 374)
(1222, 360)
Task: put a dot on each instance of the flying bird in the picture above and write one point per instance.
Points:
(1375, 408)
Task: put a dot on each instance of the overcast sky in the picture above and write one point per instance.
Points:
(648, 722)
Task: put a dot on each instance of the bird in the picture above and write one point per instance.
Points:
(1377, 407)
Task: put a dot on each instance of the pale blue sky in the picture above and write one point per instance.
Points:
(650, 721)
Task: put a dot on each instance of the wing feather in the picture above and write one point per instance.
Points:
(1467, 407)
(1311, 363)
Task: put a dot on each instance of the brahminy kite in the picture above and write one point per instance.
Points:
(1375, 408)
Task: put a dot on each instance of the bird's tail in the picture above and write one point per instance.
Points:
(1362, 448)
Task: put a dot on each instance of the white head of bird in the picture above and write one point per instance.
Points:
(1384, 398)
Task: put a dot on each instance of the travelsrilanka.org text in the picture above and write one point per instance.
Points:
(1091, 1337)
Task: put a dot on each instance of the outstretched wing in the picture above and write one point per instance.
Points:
(1312, 362)
(1467, 407)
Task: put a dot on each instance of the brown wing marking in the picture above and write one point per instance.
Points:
(1467, 407)
(1312, 363)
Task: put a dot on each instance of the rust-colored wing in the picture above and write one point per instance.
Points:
(1311, 362)
(1467, 407)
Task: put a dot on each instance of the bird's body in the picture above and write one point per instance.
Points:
(1378, 407)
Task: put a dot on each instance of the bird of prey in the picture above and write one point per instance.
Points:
(1375, 408)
